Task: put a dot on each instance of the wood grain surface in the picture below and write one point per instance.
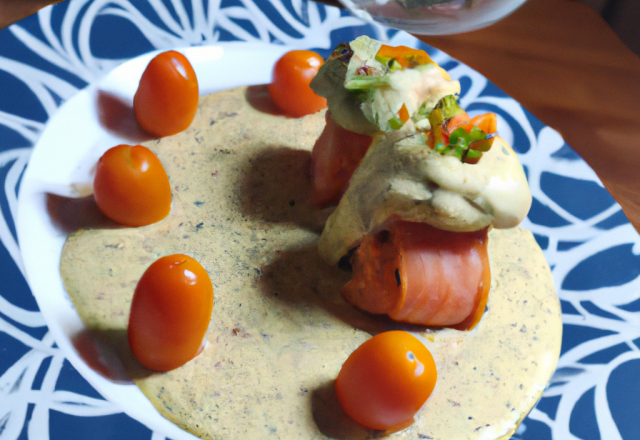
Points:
(14, 10)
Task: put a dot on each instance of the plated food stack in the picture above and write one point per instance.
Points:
(413, 215)
(425, 191)
(424, 232)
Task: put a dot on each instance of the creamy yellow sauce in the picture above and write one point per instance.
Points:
(401, 176)
(409, 87)
(280, 330)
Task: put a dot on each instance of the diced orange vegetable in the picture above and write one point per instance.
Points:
(403, 114)
(455, 122)
(418, 274)
(487, 122)
(335, 156)
(406, 56)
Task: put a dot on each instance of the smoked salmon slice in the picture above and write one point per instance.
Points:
(419, 274)
(335, 156)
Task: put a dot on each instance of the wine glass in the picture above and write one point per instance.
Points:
(432, 17)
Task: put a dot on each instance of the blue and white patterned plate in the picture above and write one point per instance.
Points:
(592, 249)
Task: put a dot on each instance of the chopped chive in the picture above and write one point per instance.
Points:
(383, 60)
(472, 156)
(361, 82)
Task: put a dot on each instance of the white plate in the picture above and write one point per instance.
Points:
(70, 146)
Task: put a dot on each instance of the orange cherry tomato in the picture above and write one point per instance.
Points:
(386, 380)
(167, 97)
(290, 89)
(131, 186)
(170, 312)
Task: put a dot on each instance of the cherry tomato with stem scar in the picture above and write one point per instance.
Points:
(290, 87)
(167, 97)
(131, 186)
(386, 380)
(170, 312)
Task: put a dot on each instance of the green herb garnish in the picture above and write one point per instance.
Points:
(362, 82)
(472, 156)
(467, 147)
(462, 138)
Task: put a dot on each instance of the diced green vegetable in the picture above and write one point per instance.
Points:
(395, 65)
(473, 154)
(366, 82)
(423, 110)
(467, 147)
(391, 63)
(395, 123)
(476, 134)
(449, 107)
(445, 109)
(383, 60)
(462, 138)
(454, 150)
(482, 145)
